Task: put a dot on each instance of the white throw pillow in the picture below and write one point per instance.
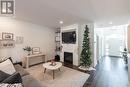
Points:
(7, 67)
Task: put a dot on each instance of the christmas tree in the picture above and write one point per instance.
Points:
(85, 59)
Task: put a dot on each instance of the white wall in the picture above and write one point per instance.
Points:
(34, 36)
(128, 38)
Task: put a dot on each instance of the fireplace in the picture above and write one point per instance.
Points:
(68, 58)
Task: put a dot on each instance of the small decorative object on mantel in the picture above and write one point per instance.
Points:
(53, 62)
(28, 49)
(85, 60)
(7, 36)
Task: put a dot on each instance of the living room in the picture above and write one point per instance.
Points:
(36, 36)
(48, 44)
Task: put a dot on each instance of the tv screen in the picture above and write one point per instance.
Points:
(69, 37)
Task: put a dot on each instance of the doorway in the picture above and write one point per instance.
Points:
(109, 45)
(115, 43)
(111, 41)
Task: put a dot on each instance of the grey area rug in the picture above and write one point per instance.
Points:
(66, 77)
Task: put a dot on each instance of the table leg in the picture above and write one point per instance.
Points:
(43, 58)
(45, 70)
(53, 74)
(27, 62)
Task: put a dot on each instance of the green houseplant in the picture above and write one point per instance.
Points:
(85, 59)
(28, 49)
(125, 56)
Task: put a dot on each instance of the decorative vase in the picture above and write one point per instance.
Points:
(53, 62)
(28, 53)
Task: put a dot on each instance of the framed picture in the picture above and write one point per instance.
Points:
(7, 43)
(19, 40)
(7, 36)
(35, 50)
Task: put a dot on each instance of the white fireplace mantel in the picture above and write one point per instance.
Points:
(73, 48)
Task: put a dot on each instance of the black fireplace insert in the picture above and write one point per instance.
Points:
(68, 58)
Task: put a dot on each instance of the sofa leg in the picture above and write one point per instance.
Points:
(45, 70)
(53, 74)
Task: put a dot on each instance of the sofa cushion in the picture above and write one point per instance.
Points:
(14, 78)
(29, 81)
(7, 67)
(21, 70)
(3, 76)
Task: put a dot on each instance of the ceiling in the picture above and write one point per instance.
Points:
(50, 12)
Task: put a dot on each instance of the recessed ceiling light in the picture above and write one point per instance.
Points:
(61, 22)
(110, 23)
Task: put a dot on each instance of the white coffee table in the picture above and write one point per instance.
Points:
(53, 68)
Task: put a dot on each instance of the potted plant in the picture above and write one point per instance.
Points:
(125, 56)
(28, 49)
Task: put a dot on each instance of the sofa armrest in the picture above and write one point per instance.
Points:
(21, 70)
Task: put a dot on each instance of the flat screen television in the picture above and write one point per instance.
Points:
(69, 37)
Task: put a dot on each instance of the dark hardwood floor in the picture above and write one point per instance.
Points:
(110, 72)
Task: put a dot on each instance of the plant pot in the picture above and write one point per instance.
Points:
(29, 53)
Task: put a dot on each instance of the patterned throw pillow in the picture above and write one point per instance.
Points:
(11, 85)
(5, 58)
